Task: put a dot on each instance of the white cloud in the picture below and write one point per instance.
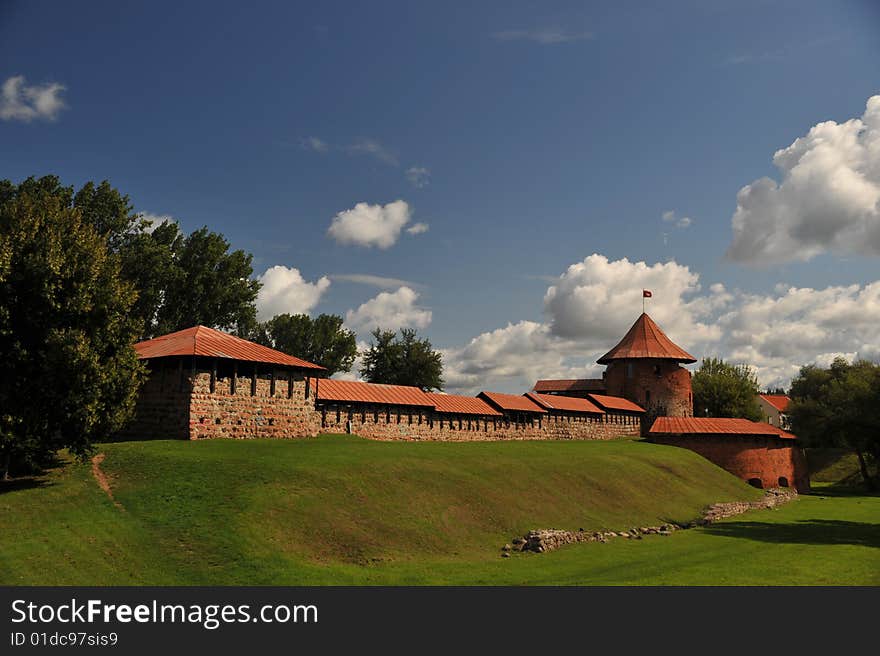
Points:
(373, 148)
(543, 36)
(22, 102)
(355, 373)
(389, 311)
(417, 228)
(596, 300)
(828, 199)
(314, 144)
(513, 358)
(591, 305)
(370, 225)
(418, 176)
(155, 219)
(382, 282)
(284, 290)
(669, 216)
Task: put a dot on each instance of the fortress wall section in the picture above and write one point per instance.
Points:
(761, 460)
(162, 406)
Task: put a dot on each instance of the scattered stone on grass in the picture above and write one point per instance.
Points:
(539, 541)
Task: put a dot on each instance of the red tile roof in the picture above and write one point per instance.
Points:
(778, 401)
(714, 426)
(358, 392)
(646, 340)
(566, 403)
(200, 340)
(512, 402)
(570, 385)
(615, 403)
(462, 405)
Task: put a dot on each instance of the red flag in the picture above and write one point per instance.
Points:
(646, 293)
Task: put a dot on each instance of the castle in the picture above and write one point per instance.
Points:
(203, 383)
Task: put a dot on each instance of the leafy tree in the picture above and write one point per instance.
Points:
(725, 390)
(403, 360)
(839, 407)
(66, 328)
(321, 340)
(181, 280)
(189, 280)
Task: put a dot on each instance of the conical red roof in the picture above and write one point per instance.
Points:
(201, 340)
(646, 340)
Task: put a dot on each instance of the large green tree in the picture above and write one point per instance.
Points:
(70, 374)
(188, 280)
(839, 406)
(322, 340)
(181, 280)
(725, 390)
(402, 360)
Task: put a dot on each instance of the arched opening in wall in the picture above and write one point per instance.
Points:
(783, 481)
(756, 482)
(657, 370)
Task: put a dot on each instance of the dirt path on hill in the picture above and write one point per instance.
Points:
(101, 479)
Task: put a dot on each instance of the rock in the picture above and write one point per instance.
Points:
(505, 555)
(506, 547)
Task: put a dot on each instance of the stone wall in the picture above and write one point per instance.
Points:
(400, 423)
(266, 405)
(162, 407)
(661, 387)
(770, 461)
(198, 405)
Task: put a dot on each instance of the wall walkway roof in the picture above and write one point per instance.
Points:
(211, 343)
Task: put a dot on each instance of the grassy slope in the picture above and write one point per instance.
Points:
(344, 510)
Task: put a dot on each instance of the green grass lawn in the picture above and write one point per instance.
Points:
(341, 510)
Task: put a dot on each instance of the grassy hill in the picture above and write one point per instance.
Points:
(342, 510)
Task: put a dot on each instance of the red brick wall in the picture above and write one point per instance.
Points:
(751, 457)
(669, 386)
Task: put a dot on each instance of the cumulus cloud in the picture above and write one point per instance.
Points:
(355, 373)
(284, 290)
(155, 219)
(828, 199)
(370, 225)
(512, 358)
(22, 102)
(389, 311)
(417, 228)
(592, 304)
(418, 176)
(546, 36)
(597, 299)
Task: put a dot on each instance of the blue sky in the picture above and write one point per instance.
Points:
(526, 136)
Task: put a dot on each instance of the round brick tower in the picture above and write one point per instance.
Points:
(645, 368)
